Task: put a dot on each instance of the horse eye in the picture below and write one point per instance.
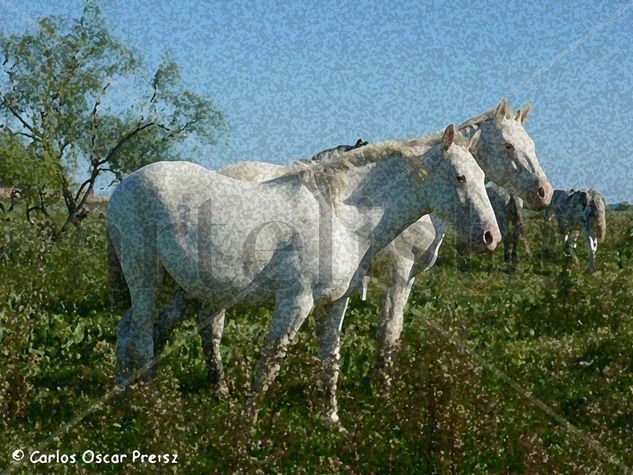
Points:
(461, 178)
(509, 147)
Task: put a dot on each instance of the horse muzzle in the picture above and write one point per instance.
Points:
(542, 196)
(486, 240)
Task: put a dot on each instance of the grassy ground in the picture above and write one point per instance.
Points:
(524, 370)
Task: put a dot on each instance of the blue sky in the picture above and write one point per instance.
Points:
(294, 78)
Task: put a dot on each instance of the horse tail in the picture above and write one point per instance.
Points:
(600, 218)
(119, 292)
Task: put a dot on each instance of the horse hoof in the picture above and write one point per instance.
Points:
(221, 390)
(338, 427)
(341, 430)
(121, 383)
(333, 423)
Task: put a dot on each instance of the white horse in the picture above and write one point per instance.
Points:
(504, 151)
(583, 210)
(305, 239)
(507, 155)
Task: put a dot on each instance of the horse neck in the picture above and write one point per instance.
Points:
(393, 188)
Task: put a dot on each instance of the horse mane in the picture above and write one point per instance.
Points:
(427, 141)
(334, 152)
(330, 176)
(478, 120)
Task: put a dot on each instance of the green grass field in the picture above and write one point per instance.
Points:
(501, 370)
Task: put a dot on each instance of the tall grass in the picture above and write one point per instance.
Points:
(525, 370)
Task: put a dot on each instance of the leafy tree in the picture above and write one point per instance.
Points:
(26, 178)
(61, 107)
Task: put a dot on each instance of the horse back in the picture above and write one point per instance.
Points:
(215, 235)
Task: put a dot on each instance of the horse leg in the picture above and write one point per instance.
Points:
(517, 232)
(329, 325)
(122, 343)
(592, 247)
(170, 317)
(390, 329)
(364, 287)
(211, 327)
(290, 313)
(135, 339)
(574, 243)
(567, 243)
(503, 229)
(396, 294)
(135, 332)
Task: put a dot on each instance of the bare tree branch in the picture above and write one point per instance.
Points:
(26, 134)
(12, 132)
(80, 199)
(123, 140)
(30, 209)
(95, 126)
(18, 116)
(88, 182)
(41, 207)
(71, 69)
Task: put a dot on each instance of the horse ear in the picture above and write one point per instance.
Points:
(523, 112)
(448, 137)
(501, 110)
(474, 140)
